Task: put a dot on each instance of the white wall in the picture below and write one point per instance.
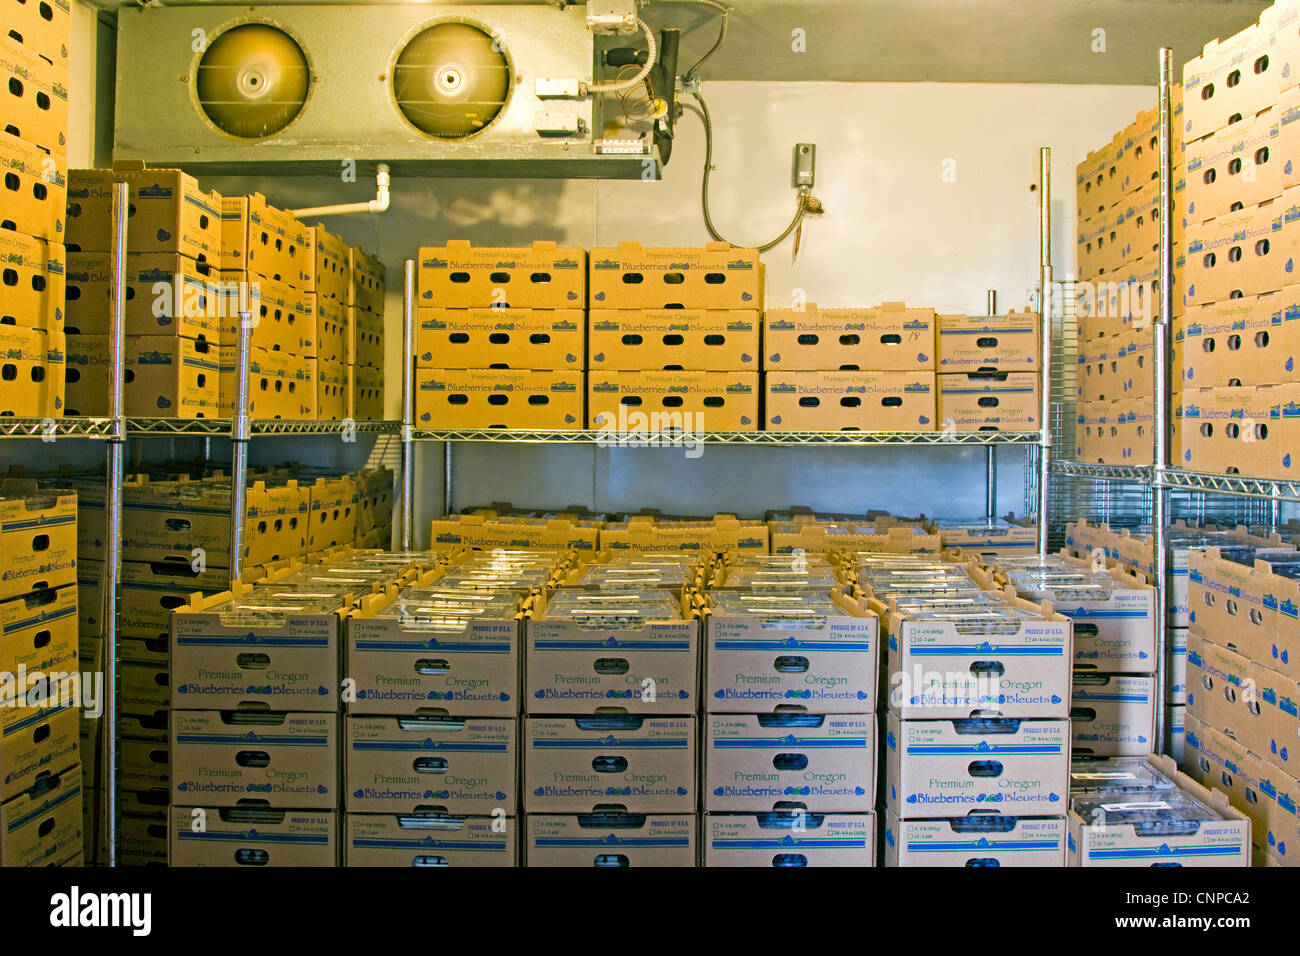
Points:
(894, 229)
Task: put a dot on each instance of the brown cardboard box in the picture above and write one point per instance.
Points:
(152, 590)
(1140, 164)
(144, 765)
(253, 837)
(479, 531)
(500, 338)
(890, 336)
(333, 331)
(850, 401)
(689, 339)
(1233, 77)
(43, 27)
(333, 508)
(723, 533)
(165, 376)
(1097, 179)
(34, 100)
(42, 825)
(366, 393)
(39, 632)
(1247, 431)
(365, 339)
(1113, 715)
(374, 499)
(333, 270)
(331, 390)
(258, 238)
(366, 281)
(280, 385)
(541, 276)
(610, 840)
(38, 267)
(299, 768)
(406, 764)
(166, 293)
(393, 840)
(284, 318)
(499, 398)
(1288, 140)
(38, 538)
(37, 203)
(761, 839)
(36, 751)
(170, 213)
(823, 537)
(1092, 238)
(1002, 401)
(1243, 252)
(31, 372)
(651, 403)
(717, 276)
(1249, 341)
(744, 769)
(643, 764)
(1239, 166)
(972, 343)
(1282, 837)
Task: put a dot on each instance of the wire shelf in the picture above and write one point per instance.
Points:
(167, 427)
(48, 429)
(1238, 485)
(1085, 469)
(668, 439)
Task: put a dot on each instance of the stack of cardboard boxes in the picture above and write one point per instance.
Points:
(989, 372)
(1237, 340)
(674, 339)
(33, 154)
(500, 337)
(42, 684)
(1117, 266)
(849, 369)
(365, 336)
(328, 345)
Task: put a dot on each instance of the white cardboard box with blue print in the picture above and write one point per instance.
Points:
(407, 764)
(1113, 715)
(979, 841)
(258, 646)
(400, 664)
(953, 768)
(824, 665)
(574, 665)
(626, 762)
(1017, 665)
(824, 763)
(789, 839)
(390, 839)
(610, 839)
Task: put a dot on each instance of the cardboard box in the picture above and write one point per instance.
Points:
(45, 28)
(366, 281)
(676, 339)
(640, 764)
(222, 836)
(36, 751)
(413, 764)
(36, 298)
(258, 238)
(285, 759)
(38, 538)
(1091, 243)
(789, 839)
(1244, 606)
(1252, 341)
(37, 204)
(333, 270)
(170, 213)
(366, 394)
(1239, 166)
(144, 765)
(996, 401)
(975, 841)
(392, 840)
(822, 538)
(1215, 843)
(751, 666)
(34, 103)
(365, 338)
(476, 672)
(333, 331)
(1238, 698)
(283, 318)
(653, 403)
(150, 591)
(1140, 162)
(990, 540)
(957, 768)
(543, 276)
(850, 401)
(890, 336)
(1282, 837)
(715, 276)
(166, 294)
(499, 398)
(289, 664)
(1098, 180)
(1113, 715)
(478, 531)
(574, 669)
(331, 390)
(280, 385)
(42, 825)
(31, 372)
(333, 507)
(1288, 116)
(973, 343)
(1243, 252)
(1246, 431)
(610, 840)
(826, 762)
(1234, 77)
(936, 672)
(165, 376)
(500, 338)
(1229, 767)
(1176, 667)
(38, 633)
(722, 534)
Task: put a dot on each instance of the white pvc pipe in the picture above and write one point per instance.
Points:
(377, 205)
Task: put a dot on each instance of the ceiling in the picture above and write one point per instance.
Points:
(953, 41)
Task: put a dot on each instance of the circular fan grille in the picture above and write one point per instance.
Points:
(451, 80)
(252, 80)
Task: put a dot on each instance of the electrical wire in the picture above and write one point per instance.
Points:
(651, 56)
(703, 114)
(723, 11)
